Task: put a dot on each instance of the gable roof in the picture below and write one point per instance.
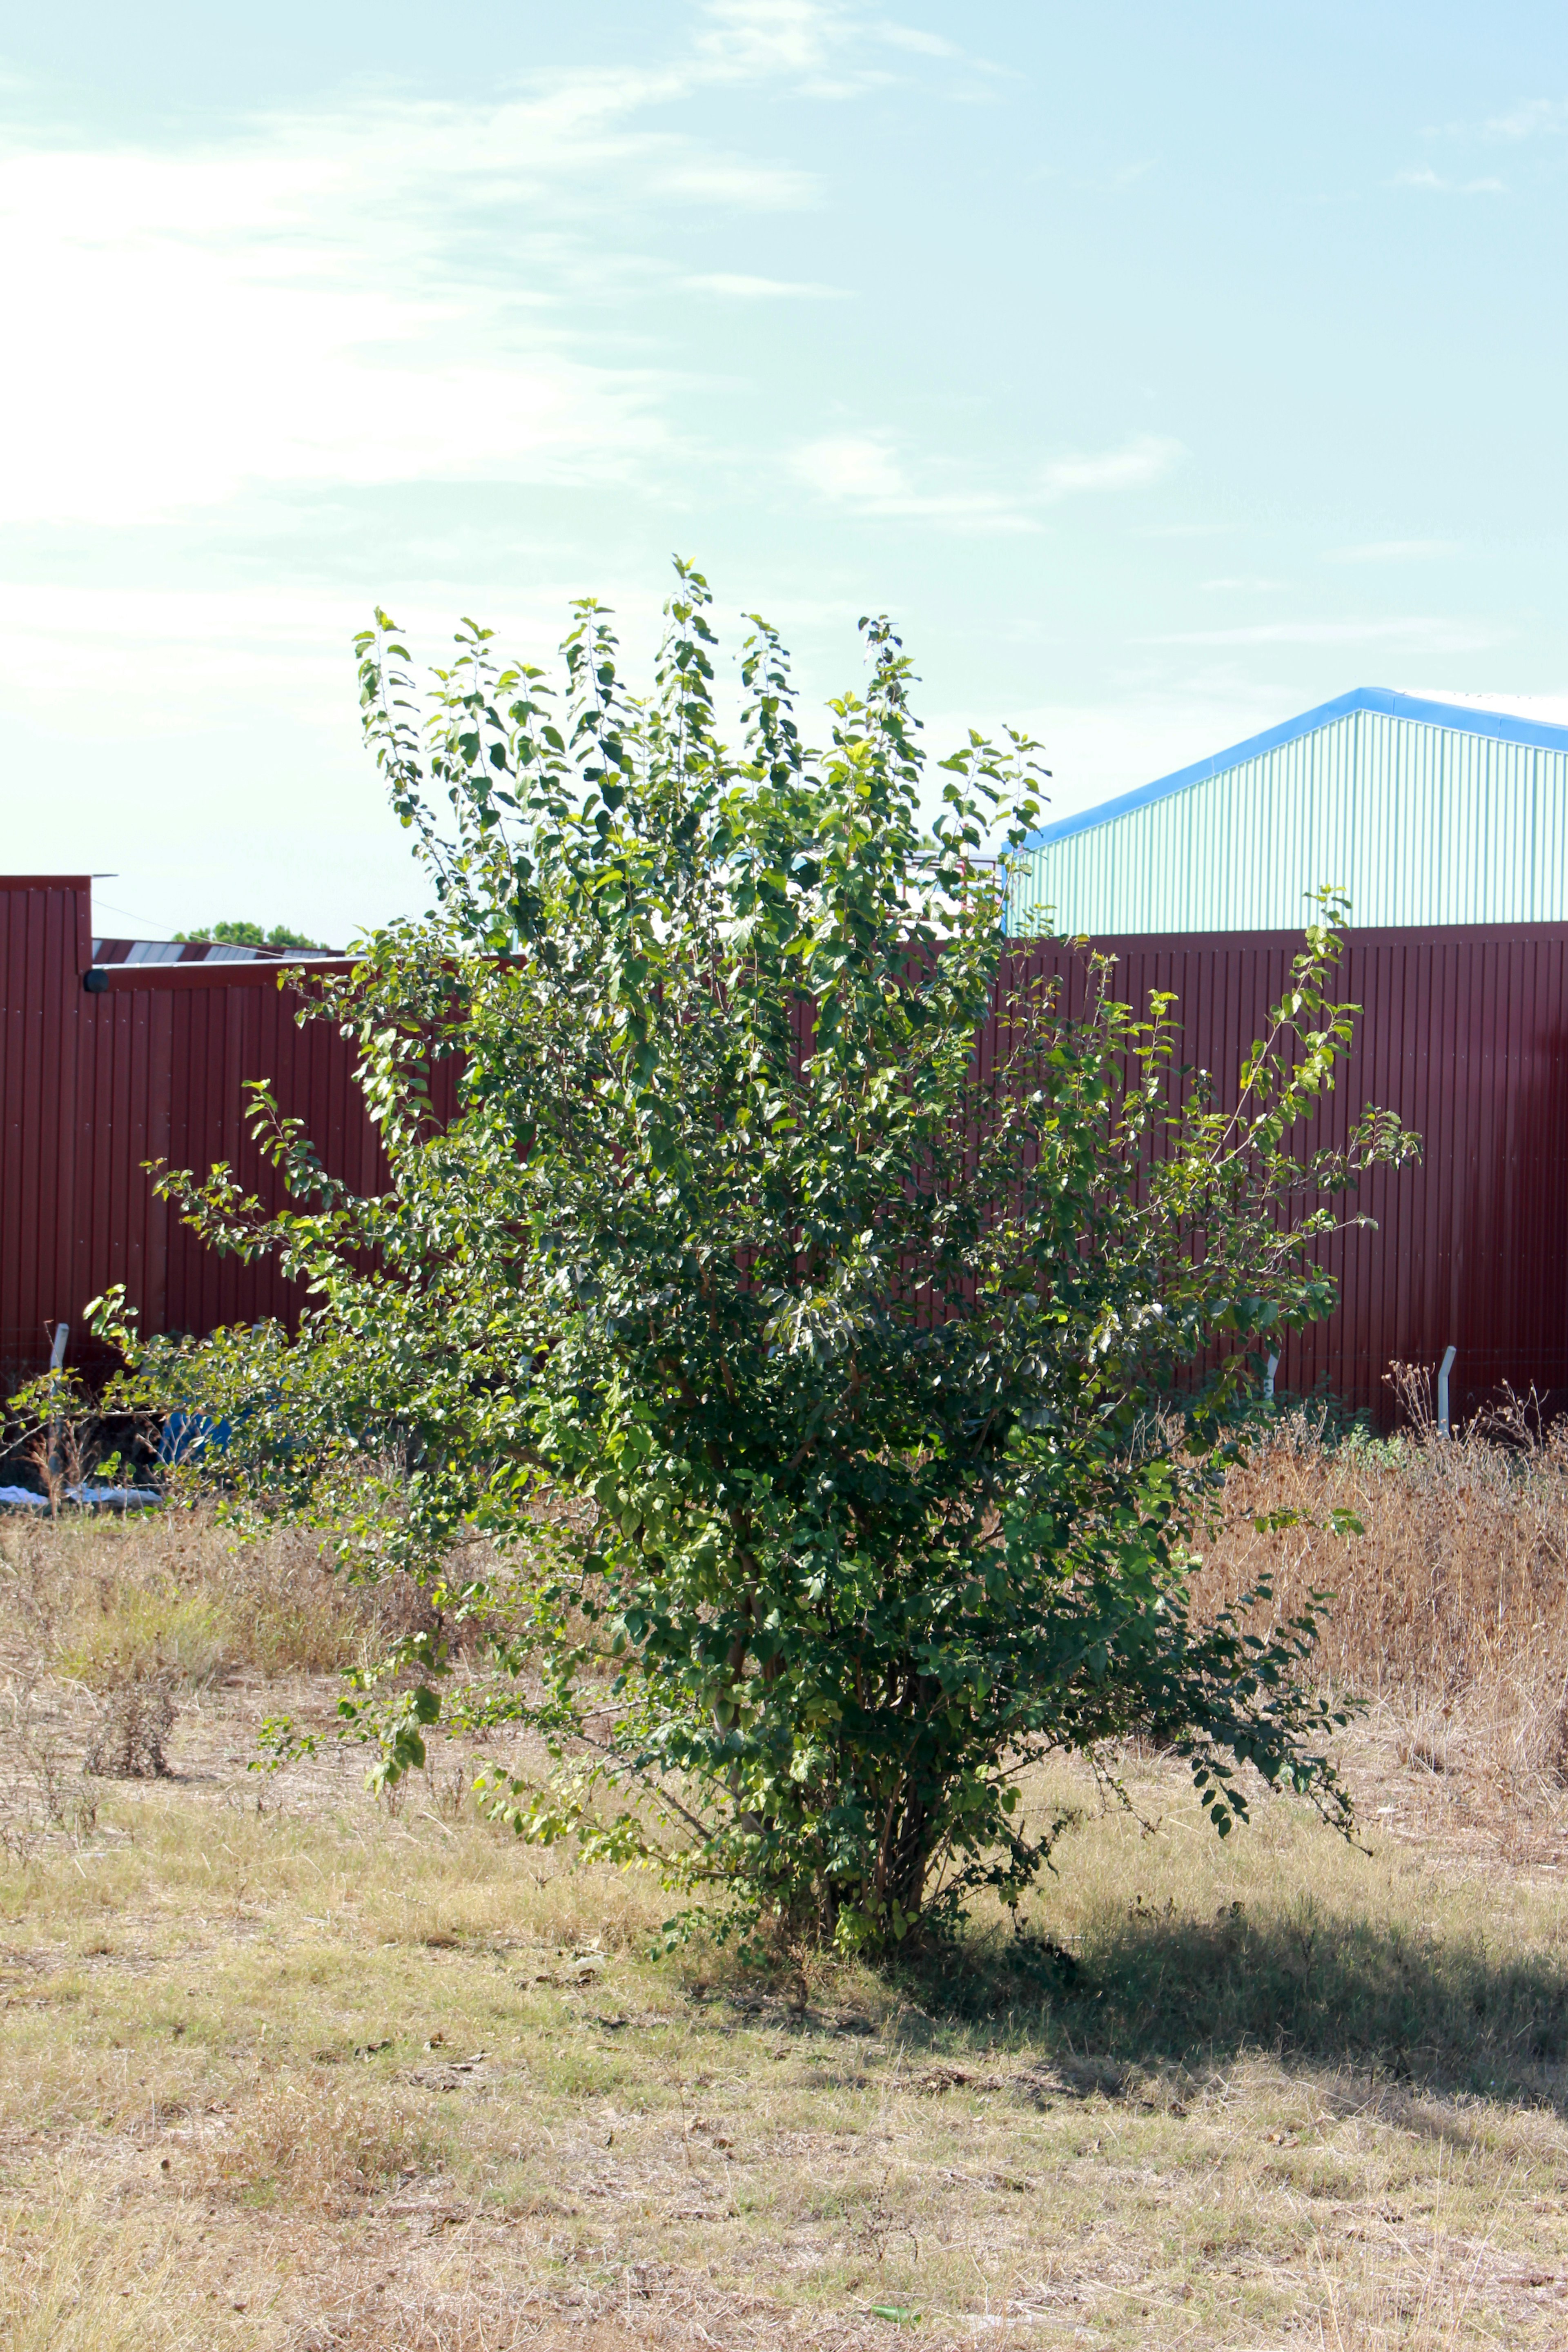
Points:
(1502, 716)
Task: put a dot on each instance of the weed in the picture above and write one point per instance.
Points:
(41, 1789)
(128, 1741)
(317, 2149)
(1452, 1606)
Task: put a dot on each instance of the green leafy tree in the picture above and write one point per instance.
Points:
(811, 1385)
(251, 935)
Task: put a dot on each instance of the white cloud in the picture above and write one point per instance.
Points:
(1138, 463)
(387, 290)
(1393, 550)
(161, 663)
(742, 289)
(1534, 116)
(865, 471)
(862, 471)
(1425, 177)
(173, 375)
(167, 661)
(1447, 637)
(849, 467)
(908, 36)
(762, 36)
(375, 292)
(819, 45)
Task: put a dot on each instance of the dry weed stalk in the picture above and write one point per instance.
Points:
(128, 1741)
(1452, 1607)
(175, 1595)
(41, 1789)
(316, 2148)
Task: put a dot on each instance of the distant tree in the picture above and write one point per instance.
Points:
(834, 1409)
(251, 935)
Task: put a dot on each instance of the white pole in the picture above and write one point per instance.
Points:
(1269, 1376)
(1444, 1369)
(56, 1360)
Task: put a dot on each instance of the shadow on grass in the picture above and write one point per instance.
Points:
(1152, 1988)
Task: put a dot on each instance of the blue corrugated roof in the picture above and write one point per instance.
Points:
(1465, 717)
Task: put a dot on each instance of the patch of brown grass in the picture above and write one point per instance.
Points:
(311, 2145)
(68, 2284)
(177, 1597)
(1451, 1608)
(43, 1787)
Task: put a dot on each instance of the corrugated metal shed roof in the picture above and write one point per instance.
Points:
(107, 951)
(1425, 808)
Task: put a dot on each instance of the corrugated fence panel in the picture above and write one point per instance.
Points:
(152, 1067)
(42, 954)
(1465, 1034)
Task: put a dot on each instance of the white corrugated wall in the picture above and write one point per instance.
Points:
(1417, 824)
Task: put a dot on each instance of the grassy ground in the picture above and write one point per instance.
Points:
(283, 2065)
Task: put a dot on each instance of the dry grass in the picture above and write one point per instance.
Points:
(313, 2147)
(1452, 1609)
(284, 2067)
(107, 1603)
(108, 1626)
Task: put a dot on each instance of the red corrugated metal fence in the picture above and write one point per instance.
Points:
(1465, 1034)
(151, 1065)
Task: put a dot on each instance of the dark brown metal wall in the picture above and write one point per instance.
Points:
(45, 943)
(150, 1067)
(1465, 1034)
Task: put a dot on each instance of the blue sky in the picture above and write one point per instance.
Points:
(1165, 371)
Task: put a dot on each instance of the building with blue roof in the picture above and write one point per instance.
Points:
(1425, 808)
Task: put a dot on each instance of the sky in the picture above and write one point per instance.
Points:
(1162, 372)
